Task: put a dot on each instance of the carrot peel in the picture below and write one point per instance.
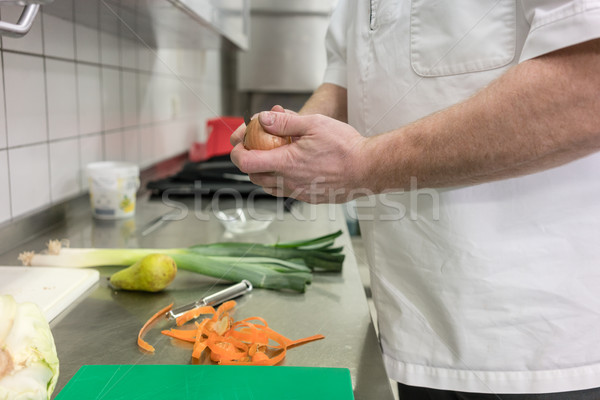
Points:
(140, 340)
(193, 314)
(247, 342)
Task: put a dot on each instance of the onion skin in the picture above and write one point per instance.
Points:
(256, 138)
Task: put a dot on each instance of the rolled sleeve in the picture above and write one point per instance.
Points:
(559, 26)
(335, 44)
(336, 75)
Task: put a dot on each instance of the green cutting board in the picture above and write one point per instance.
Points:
(207, 382)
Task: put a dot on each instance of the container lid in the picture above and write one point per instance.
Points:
(112, 168)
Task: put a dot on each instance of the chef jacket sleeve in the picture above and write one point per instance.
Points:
(335, 44)
(556, 24)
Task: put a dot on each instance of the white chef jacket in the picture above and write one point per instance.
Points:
(489, 288)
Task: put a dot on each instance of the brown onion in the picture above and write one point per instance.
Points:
(256, 138)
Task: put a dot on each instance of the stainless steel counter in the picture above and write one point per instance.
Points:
(101, 328)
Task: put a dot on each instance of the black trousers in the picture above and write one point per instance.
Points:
(406, 392)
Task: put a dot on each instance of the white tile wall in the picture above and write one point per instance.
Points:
(208, 97)
(29, 178)
(166, 61)
(145, 57)
(166, 140)
(113, 146)
(64, 169)
(59, 40)
(62, 99)
(87, 44)
(186, 63)
(25, 99)
(72, 94)
(91, 150)
(129, 87)
(131, 147)
(209, 69)
(162, 92)
(90, 99)
(145, 100)
(109, 35)
(4, 187)
(128, 54)
(148, 146)
(3, 140)
(109, 49)
(87, 35)
(111, 98)
(192, 99)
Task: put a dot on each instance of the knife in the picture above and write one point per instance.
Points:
(216, 298)
(159, 221)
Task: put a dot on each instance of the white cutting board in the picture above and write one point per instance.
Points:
(52, 289)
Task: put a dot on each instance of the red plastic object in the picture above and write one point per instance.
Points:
(218, 131)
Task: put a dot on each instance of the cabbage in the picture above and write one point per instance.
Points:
(28, 360)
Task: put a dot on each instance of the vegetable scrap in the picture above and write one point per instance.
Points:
(29, 365)
(227, 342)
(140, 340)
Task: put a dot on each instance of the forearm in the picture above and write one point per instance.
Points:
(329, 100)
(542, 113)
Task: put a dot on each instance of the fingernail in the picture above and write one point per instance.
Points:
(267, 118)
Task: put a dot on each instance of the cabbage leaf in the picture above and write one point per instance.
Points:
(28, 359)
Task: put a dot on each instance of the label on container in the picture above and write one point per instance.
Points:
(111, 199)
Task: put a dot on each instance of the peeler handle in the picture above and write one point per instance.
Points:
(217, 298)
(228, 293)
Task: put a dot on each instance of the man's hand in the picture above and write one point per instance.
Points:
(238, 135)
(322, 164)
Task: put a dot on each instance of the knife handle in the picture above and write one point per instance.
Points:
(228, 293)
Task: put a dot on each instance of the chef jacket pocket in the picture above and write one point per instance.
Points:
(461, 36)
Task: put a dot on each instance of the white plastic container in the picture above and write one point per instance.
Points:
(113, 186)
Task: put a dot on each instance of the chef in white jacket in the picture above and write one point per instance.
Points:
(471, 146)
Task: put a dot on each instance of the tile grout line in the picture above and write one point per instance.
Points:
(47, 141)
(137, 107)
(115, 130)
(77, 105)
(3, 94)
(121, 94)
(99, 64)
(101, 78)
(10, 199)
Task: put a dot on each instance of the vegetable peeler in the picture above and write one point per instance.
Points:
(216, 298)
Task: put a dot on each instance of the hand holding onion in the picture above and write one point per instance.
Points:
(256, 138)
(237, 136)
(326, 162)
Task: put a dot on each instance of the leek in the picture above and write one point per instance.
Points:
(286, 265)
